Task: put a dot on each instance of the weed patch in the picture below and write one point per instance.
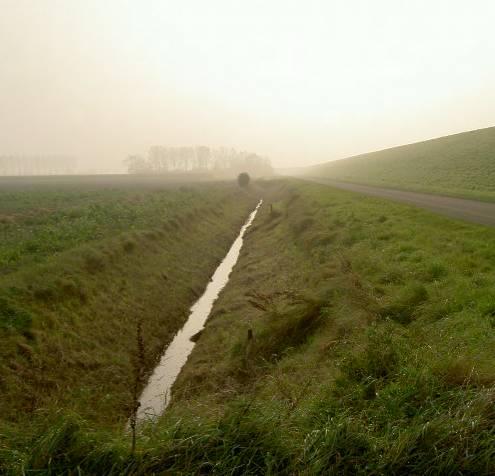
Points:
(13, 318)
(404, 306)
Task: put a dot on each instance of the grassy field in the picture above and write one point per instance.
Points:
(81, 262)
(45, 216)
(373, 327)
(459, 165)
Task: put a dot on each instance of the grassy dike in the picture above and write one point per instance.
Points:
(68, 318)
(372, 352)
(458, 165)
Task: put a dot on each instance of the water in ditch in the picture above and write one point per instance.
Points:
(157, 393)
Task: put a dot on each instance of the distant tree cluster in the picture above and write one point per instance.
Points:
(36, 165)
(200, 159)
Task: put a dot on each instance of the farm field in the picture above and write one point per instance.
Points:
(372, 327)
(81, 262)
(41, 217)
(191, 284)
(459, 165)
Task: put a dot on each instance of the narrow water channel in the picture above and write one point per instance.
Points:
(157, 393)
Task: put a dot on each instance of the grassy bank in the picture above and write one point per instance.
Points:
(459, 165)
(81, 265)
(372, 327)
(373, 336)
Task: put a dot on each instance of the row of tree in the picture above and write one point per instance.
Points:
(200, 159)
(36, 165)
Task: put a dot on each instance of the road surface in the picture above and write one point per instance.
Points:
(460, 208)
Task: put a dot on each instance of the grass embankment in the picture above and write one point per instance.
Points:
(372, 353)
(80, 266)
(459, 165)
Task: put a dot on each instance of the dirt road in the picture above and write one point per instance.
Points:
(463, 209)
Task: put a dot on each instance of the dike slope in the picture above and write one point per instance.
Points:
(459, 165)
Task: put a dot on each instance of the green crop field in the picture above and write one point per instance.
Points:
(82, 260)
(460, 165)
(372, 353)
(41, 218)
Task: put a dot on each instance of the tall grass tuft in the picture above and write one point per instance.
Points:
(139, 366)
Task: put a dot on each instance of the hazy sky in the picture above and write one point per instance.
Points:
(299, 81)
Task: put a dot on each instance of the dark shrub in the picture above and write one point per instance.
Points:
(243, 179)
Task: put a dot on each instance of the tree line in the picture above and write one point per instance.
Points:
(37, 165)
(200, 159)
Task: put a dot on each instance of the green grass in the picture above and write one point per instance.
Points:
(373, 327)
(106, 256)
(39, 220)
(459, 165)
(392, 367)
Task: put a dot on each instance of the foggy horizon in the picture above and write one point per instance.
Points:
(301, 84)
